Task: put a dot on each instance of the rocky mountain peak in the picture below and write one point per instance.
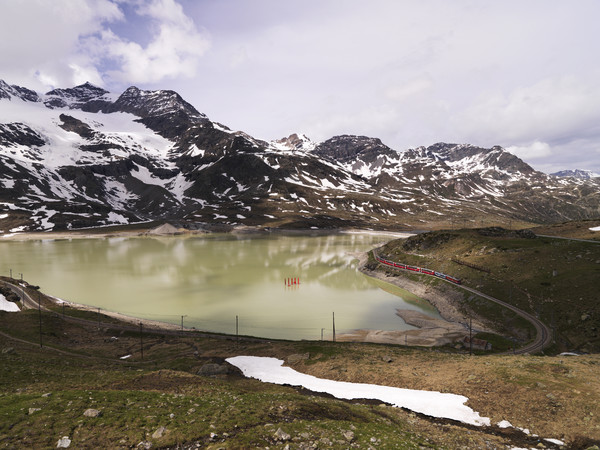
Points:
(474, 157)
(346, 147)
(74, 98)
(154, 103)
(7, 92)
(297, 142)
(577, 173)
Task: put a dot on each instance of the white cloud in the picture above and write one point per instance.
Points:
(63, 42)
(174, 50)
(553, 108)
(535, 150)
(40, 39)
(81, 74)
(406, 90)
(411, 73)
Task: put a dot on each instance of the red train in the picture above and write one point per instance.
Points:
(418, 269)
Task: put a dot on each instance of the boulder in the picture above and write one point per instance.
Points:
(160, 431)
(63, 442)
(92, 413)
(282, 435)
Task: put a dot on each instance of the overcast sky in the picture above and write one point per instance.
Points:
(521, 74)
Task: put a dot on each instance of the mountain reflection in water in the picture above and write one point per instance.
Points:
(212, 279)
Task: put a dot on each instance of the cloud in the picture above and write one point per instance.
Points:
(40, 39)
(63, 42)
(82, 74)
(409, 89)
(558, 109)
(174, 50)
(535, 150)
(516, 74)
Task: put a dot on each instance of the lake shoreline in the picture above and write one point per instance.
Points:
(431, 332)
(100, 233)
(437, 332)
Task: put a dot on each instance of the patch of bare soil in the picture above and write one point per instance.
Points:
(431, 332)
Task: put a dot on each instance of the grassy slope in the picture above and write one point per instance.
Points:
(137, 396)
(553, 278)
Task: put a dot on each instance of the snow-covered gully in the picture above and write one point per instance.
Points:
(430, 403)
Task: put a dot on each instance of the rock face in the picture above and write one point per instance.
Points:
(82, 157)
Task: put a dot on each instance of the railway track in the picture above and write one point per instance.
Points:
(543, 336)
(543, 333)
(30, 303)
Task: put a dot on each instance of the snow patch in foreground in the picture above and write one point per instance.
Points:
(595, 229)
(435, 404)
(5, 305)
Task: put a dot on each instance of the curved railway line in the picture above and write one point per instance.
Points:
(543, 336)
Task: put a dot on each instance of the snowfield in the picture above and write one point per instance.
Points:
(430, 403)
(435, 404)
(5, 305)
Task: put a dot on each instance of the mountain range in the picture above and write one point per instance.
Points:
(84, 157)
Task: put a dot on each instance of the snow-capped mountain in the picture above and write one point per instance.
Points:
(577, 173)
(82, 156)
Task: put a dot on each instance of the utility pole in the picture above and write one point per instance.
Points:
(470, 336)
(236, 326)
(40, 314)
(142, 339)
(333, 326)
(22, 292)
(182, 321)
(10, 272)
(322, 333)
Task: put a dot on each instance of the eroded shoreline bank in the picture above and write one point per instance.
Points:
(430, 332)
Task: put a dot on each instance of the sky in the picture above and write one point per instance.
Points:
(522, 74)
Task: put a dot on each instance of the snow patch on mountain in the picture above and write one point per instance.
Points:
(577, 173)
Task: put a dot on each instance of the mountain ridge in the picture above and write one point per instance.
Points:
(83, 156)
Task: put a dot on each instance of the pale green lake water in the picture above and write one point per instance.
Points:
(213, 279)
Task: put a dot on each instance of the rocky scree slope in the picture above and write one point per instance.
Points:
(82, 157)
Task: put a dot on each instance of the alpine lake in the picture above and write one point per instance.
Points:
(274, 285)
